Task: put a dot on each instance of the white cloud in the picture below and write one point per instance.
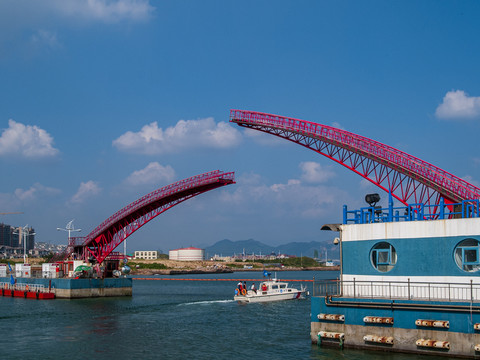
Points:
(308, 201)
(38, 18)
(282, 187)
(22, 199)
(293, 197)
(26, 141)
(86, 190)
(34, 191)
(263, 138)
(337, 125)
(151, 174)
(109, 11)
(470, 179)
(458, 105)
(366, 184)
(312, 172)
(45, 38)
(186, 134)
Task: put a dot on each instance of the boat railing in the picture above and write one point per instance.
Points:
(393, 290)
(23, 287)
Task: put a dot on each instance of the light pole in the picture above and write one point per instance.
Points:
(23, 233)
(69, 228)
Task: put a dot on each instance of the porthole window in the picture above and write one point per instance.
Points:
(383, 256)
(467, 255)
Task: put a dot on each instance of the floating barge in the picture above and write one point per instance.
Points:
(66, 288)
(409, 282)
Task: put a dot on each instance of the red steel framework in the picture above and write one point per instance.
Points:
(101, 242)
(407, 178)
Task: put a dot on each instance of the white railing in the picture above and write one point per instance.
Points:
(421, 291)
(23, 287)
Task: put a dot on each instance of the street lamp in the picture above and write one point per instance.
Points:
(23, 232)
(69, 228)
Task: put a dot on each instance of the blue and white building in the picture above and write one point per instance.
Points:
(409, 281)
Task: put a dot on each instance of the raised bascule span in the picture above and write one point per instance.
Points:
(408, 178)
(411, 271)
(101, 242)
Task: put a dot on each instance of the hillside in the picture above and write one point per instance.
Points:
(227, 247)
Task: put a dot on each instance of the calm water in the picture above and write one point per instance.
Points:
(168, 320)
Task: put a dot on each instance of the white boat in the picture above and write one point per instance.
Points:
(271, 290)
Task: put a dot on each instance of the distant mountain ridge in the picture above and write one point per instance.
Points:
(228, 248)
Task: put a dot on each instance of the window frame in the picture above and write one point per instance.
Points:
(384, 251)
(463, 250)
(383, 247)
(470, 248)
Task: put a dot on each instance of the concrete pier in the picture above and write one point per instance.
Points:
(67, 288)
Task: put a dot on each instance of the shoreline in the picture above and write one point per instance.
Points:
(226, 270)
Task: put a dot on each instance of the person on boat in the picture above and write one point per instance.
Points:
(239, 286)
(254, 289)
(245, 286)
(264, 287)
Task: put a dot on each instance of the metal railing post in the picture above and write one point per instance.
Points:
(442, 209)
(408, 288)
(471, 290)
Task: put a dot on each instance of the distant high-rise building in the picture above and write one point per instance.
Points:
(5, 235)
(13, 237)
(30, 239)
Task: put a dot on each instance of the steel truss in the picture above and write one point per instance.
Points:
(407, 178)
(101, 242)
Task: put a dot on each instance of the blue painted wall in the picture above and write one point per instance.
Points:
(415, 257)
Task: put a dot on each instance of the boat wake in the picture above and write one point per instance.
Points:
(207, 302)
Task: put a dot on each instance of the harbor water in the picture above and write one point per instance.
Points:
(169, 320)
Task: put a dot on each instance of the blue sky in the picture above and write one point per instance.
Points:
(104, 101)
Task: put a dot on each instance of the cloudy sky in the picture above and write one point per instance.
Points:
(103, 101)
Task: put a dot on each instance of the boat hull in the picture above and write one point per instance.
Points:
(254, 298)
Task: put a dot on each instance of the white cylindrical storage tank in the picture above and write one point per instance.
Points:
(173, 254)
(191, 254)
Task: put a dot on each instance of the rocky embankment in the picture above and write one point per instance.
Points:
(173, 267)
(179, 267)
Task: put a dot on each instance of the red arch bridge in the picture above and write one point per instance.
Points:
(101, 242)
(405, 177)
